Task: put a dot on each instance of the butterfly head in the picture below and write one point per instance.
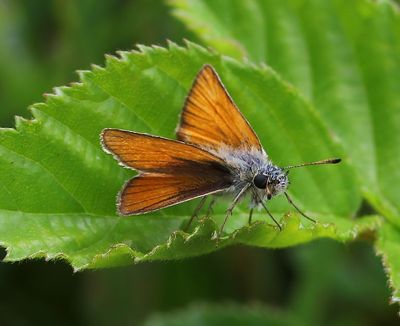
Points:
(273, 179)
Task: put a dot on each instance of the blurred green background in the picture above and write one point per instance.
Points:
(42, 44)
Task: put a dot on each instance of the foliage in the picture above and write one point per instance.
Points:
(43, 45)
(330, 89)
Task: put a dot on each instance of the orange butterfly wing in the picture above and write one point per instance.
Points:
(210, 118)
(156, 154)
(174, 172)
(149, 192)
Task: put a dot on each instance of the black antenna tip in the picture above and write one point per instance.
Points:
(336, 160)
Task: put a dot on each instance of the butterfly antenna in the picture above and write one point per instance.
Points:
(327, 161)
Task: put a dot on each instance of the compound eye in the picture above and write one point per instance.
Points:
(260, 181)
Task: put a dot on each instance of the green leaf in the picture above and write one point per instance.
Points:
(59, 188)
(224, 314)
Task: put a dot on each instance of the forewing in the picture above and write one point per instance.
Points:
(159, 155)
(149, 192)
(210, 118)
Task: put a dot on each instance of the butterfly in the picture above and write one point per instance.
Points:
(216, 152)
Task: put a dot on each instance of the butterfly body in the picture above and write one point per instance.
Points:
(249, 165)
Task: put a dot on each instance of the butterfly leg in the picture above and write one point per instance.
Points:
(232, 206)
(196, 211)
(210, 207)
(259, 201)
(271, 216)
(250, 215)
(297, 209)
